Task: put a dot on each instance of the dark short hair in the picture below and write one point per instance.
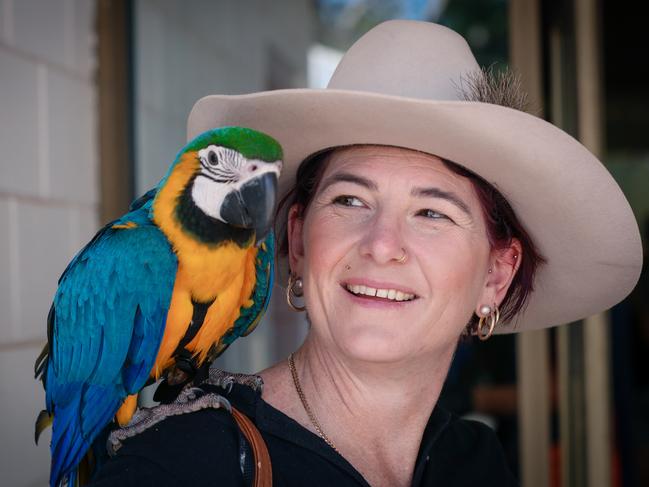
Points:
(501, 222)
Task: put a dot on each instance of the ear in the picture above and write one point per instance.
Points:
(295, 242)
(503, 265)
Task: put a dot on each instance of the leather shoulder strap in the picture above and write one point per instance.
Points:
(263, 468)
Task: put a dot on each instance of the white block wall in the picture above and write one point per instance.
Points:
(49, 196)
(49, 191)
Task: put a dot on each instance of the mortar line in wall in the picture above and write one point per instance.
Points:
(65, 70)
(31, 343)
(50, 202)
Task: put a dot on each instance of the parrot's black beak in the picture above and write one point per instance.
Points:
(253, 206)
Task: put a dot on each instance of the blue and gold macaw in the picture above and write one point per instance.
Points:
(161, 291)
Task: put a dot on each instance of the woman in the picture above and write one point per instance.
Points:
(394, 263)
(422, 211)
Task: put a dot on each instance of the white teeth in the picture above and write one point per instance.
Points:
(391, 294)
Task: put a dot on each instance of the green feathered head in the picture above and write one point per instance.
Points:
(223, 185)
(247, 142)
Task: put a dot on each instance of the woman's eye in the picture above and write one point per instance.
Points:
(348, 201)
(433, 215)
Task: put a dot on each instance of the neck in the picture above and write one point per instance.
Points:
(407, 391)
(383, 407)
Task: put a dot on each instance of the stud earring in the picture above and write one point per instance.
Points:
(485, 310)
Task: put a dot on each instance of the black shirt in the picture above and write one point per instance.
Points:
(202, 448)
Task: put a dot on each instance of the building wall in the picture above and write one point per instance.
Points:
(186, 50)
(49, 191)
(48, 198)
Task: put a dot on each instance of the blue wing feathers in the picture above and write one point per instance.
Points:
(74, 434)
(110, 311)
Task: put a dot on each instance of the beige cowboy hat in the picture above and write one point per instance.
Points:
(398, 85)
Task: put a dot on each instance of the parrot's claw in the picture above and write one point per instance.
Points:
(226, 383)
(189, 394)
(224, 403)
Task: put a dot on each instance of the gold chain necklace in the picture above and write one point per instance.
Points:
(314, 420)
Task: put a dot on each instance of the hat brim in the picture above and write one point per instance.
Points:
(571, 206)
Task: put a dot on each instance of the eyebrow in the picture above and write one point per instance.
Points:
(418, 192)
(349, 178)
(445, 195)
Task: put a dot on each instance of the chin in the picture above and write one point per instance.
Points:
(376, 346)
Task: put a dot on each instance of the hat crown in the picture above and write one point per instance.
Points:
(416, 60)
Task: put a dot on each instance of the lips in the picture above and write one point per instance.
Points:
(387, 293)
(378, 291)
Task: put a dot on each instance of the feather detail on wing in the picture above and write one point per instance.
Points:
(108, 318)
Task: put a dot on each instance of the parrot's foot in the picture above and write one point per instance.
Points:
(191, 399)
(226, 380)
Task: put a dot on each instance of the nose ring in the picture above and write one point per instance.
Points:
(404, 257)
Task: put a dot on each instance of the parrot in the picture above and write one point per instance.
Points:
(160, 292)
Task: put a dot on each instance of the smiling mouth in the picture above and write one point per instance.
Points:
(387, 294)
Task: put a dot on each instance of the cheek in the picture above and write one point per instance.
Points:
(327, 239)
(327, 243)
(452, 268)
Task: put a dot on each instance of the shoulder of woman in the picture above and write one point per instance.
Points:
(197, 448)
(467, 435)
(469, 453)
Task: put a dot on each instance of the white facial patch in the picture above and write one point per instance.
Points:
(222, 171)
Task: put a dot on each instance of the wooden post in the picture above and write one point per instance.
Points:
(596, 329)
(531, 346)
(115, 127)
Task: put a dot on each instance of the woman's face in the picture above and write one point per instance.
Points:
(372, 204)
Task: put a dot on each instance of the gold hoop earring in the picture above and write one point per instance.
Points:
(488, 322)
(294, 289)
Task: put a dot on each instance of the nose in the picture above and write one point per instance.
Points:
(383, 241)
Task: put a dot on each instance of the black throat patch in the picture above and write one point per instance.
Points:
(203, 227)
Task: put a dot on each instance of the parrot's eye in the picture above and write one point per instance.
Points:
(212, 158)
